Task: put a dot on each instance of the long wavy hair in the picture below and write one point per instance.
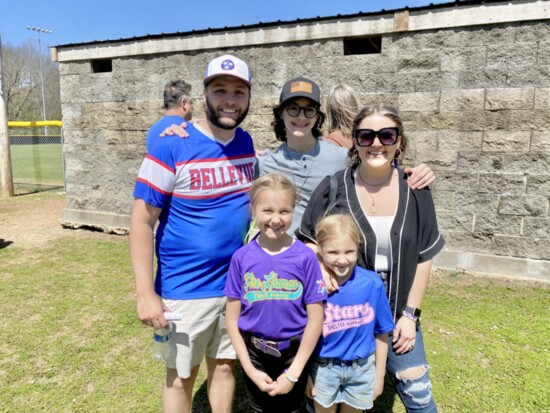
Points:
(384, 109)
(342, 106)
(278, 123)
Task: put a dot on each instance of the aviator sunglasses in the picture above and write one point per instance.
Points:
(386, 136)
(294, 111)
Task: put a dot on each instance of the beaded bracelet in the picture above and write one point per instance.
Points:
(290, 378)
(410, 316)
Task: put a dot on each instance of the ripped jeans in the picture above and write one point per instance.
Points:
(416, 394)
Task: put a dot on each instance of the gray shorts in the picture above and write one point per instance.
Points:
(201, 331)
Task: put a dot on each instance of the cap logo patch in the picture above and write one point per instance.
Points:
(301, 87)
(228, 65)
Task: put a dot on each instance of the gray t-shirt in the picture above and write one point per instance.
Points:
(305, 170)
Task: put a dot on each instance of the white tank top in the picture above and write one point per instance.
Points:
(382, 229)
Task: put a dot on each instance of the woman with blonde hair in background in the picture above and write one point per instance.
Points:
(342, 106)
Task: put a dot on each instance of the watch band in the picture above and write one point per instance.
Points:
(414, 311)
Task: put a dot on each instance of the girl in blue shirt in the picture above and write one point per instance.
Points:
(350, 362)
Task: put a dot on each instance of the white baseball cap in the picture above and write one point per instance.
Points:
(227, 65)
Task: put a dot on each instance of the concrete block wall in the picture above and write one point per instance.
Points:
(476, 105)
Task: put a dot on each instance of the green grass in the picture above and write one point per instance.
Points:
(70, 340)
(37, 164)
(489, 338)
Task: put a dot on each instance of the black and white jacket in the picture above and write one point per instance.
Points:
(414, 237)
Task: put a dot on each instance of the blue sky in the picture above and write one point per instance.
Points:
(83, 21)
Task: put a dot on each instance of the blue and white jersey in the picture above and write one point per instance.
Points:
(201, 184)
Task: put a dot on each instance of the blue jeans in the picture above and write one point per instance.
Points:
(350, 382)
(416, 394)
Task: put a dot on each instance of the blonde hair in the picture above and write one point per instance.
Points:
(342, 106)
(272, 182)
(337, 225)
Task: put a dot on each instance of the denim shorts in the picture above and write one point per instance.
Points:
(340, 381)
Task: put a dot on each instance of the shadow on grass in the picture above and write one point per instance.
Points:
(240, 404)
(29, 189)
(5, 243)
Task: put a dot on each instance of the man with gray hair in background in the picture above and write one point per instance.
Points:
(178, 106)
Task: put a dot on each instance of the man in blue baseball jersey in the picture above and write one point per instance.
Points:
(198, 190)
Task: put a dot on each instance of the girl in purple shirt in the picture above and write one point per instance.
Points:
(275, 295)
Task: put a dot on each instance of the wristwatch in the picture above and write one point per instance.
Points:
(414, 311)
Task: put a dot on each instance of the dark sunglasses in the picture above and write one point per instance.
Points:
(294, 110)
(386, 136)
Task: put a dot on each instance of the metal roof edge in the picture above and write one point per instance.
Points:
(431, 6)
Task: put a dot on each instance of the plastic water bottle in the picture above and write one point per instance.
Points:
(162, 336)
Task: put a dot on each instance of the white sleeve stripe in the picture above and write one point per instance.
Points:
(153, 186)
(155, 160)
(433, 245)
(156, 175)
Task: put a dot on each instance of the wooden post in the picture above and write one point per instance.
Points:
(401, 21)
(5, 155)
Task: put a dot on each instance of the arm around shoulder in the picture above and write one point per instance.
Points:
(316, 208)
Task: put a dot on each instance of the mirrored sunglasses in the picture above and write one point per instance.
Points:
(386, 136)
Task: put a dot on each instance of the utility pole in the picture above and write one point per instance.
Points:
(5, 154)
(40, 30)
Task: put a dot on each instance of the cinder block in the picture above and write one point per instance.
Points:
(501, 184)
(466, 100)
(439, 120)
(455, 141)
(478, 78)
(466, 201)
(526, 206)
(419, 101)
(536, 227)
(516, 246)
(509, 98)
(510, 56)
(494, 224)
(463, 59)
(542, 98)
(506, 141)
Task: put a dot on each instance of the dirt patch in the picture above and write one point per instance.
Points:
(31, 221)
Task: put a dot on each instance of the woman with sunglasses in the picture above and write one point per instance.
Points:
(399, 235)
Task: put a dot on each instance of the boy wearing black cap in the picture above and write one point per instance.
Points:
(303, 157)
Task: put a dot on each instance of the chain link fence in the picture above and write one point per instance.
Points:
(36, 156)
